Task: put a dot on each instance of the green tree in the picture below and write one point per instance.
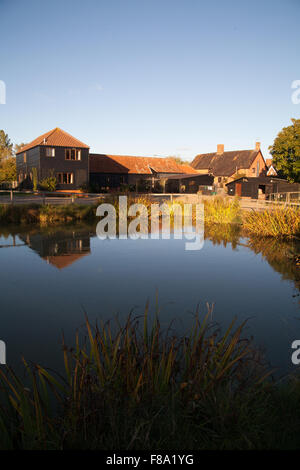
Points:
(286, 152)
(6, 147)
(8, 171)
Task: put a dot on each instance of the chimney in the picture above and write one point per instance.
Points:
(220, 149)
(257, 146)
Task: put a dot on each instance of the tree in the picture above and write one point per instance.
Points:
(286, 152)
(8, 171)
(17, 147)
(179, 160)
(6, 147)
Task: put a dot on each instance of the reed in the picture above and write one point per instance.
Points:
(222, 210)
(138, 386)
(279, 223)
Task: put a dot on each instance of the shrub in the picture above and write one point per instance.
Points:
(48, 184)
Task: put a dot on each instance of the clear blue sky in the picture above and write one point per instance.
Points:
(150, 77)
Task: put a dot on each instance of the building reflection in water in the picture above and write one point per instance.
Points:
(60, 249)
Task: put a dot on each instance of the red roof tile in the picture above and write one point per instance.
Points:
(56, 138)
(188, 169)
(102, 163)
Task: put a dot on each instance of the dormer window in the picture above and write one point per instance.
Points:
(73, 154)
(50, 152)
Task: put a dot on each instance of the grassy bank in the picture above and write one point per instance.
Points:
(278, 222)
(136, 386)
(218, 210)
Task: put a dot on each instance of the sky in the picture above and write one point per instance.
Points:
(150, 77)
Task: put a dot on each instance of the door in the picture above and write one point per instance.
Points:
(238, 189)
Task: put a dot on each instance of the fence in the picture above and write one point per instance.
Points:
(287, 198)
(28, 197)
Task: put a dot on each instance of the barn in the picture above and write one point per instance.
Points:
(259, 187)
(190, 184)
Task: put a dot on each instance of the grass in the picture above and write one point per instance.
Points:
(222, 210)
(136, 386)
(279, 223)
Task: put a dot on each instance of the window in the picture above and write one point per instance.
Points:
(73, 154)
(50, 152)
(253, 170)
(25, 157)
(65, 178)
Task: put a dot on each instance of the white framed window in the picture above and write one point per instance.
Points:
(65, 178)
(73, 154)
(50, 152)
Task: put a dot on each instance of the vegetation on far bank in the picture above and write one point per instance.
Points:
(282, 222)
(136, 386)
(279, 222)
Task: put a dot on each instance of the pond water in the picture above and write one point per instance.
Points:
(50, 277)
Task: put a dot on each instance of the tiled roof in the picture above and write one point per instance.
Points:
(102, 163)
(225, 164)
(189, 170)
(56, 138)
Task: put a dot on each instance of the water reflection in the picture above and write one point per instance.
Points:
(61, 249)
(64, 246)
(246, 277)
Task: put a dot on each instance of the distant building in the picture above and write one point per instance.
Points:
(260, 187)
(270, 168)
(59, 154)
(54, 153)
(114, 171)
(190, 183)
(227, 166)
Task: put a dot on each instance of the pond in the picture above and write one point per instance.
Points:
(50, 277)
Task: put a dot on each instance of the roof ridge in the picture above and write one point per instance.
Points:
(48, 134)
(61, 135)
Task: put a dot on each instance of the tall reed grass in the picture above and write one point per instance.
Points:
(138, 386)
(222, 210)
(279, 223)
